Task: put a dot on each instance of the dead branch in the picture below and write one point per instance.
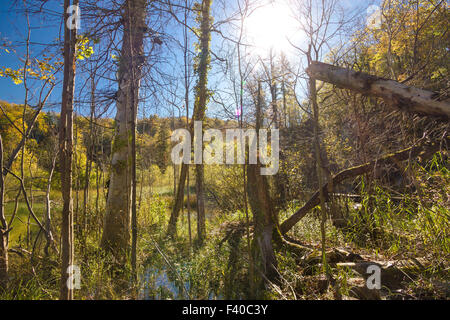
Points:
(413, 152)
(395, 94)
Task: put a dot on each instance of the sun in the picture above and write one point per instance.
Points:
(271, 27)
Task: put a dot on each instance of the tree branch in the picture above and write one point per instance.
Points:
(413, 152)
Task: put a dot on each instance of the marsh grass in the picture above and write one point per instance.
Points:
(380, 226)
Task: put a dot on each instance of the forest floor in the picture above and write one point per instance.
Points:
(178, 269)
(405, 274)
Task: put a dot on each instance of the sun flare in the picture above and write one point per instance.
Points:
(270, 28)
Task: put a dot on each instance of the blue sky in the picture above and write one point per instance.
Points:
(46, 29)
(13, 32)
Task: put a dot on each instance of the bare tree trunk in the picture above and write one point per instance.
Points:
(395, 94)
(97, 188)
(172, 227)
(199, 115)
(174, 167)
(283, 91)
(66, 152)
(77, 219)
(264, 221)
(29, 232)
(3, 229)
(116, 232)
(89, 156)
(200, 110)
(186, 98)
(264, 216)
(134, 108)
(184, 172)
(189, 209)
(201, 218)
(48, 217)
(319, 165)
(279, 178)
(240, 108)
(97, 197)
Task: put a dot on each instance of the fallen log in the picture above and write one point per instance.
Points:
(393, 273)
(358, 197)
(395, 94)
(413, 152)
(358, 289)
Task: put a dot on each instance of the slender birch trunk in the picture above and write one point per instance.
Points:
(66, 153)
(3, 229)
(48, 216)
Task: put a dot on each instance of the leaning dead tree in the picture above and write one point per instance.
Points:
(410, 153)
(394, 93)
